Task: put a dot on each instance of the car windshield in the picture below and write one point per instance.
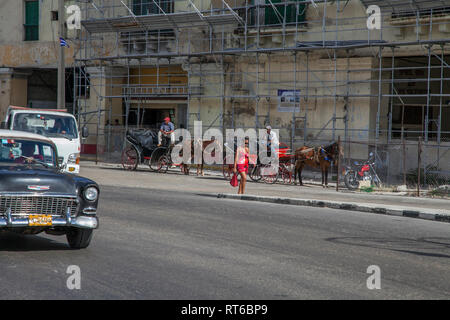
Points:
(45, 124)
(24, 151)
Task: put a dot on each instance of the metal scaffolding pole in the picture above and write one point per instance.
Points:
(427, 114)
(389, 135)
(380, 95)
(293, 127)
(257, 93)
(335, 95)
(61, 58)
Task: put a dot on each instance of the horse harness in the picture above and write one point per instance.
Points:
(316, 152)
(325, 154)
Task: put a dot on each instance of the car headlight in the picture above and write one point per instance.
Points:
(74, 158)
(91, 193)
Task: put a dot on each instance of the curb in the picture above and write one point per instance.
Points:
(375, 208)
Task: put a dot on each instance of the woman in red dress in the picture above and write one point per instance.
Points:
(241, 164)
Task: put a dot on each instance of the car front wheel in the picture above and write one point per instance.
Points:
(79, 238)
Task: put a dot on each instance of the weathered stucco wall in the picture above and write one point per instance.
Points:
(245, 96)
(15, 52)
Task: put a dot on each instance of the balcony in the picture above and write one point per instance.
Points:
(138, 91)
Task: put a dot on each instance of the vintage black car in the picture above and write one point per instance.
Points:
(36, 196)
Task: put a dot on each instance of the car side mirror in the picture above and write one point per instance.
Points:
(85, 132)
(62, 167)
(3, 125)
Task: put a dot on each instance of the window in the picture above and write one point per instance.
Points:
(54, 15)
(53, 126)
(23, 151)
(425, 12)
(147, 7)
(285, 11)
(83, 81)
(31, 20)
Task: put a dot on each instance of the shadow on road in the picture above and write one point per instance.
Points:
(10, 241)
(430, 247)
(211, 178)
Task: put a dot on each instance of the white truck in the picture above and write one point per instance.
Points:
(56, 124)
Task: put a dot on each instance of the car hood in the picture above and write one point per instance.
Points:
(31, 179)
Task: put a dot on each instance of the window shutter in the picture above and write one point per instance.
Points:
(31, 20)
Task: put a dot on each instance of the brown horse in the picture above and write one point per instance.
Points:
(185, 168)
(205, 144)
(315, 157)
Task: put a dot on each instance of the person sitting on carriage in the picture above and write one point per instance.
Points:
(167, 129)
(271, 141)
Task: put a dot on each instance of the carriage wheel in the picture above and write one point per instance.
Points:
(227, 170)
(154, 159)
(286, 175)
(130, 158)
(163, 164)
(255, 173)
(269, 177)
(153, 164)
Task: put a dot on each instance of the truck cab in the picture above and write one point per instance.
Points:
(56, 124)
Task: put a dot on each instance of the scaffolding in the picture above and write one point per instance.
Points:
(313, 69)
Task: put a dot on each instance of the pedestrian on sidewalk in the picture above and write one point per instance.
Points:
(241, 164)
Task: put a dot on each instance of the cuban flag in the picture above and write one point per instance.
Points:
(63, 43)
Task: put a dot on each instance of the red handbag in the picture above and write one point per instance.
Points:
(234, 181)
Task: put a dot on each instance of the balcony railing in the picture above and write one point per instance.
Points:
(146, 91)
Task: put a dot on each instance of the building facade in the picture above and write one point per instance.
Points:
(317, 71)
(29, 45)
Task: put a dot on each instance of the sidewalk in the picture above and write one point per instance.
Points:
(312, 194)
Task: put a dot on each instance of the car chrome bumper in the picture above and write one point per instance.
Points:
(83, 222)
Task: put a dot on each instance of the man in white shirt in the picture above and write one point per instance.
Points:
(271, 140)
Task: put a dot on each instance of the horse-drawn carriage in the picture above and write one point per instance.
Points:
(291, 164)
(143, 148)
(141, 144)
(269, 174)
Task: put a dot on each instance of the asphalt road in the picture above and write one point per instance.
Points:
(171, 245)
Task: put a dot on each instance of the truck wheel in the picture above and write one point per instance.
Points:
(79, 238)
